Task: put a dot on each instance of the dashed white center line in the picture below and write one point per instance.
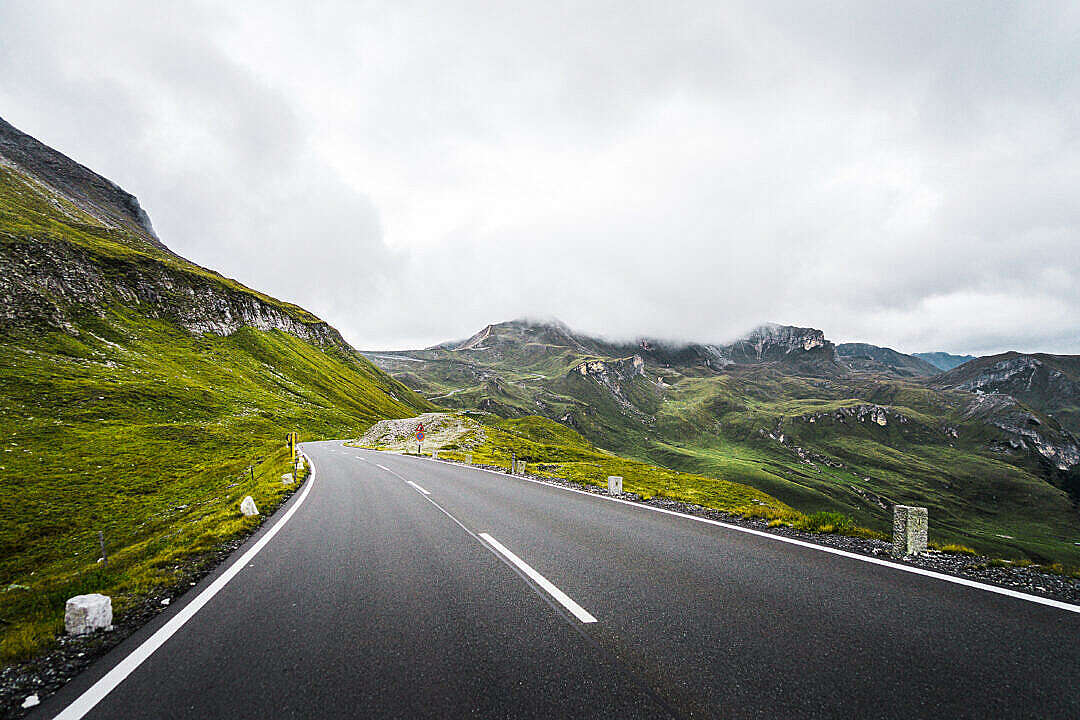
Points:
(579, 612)
(385, 468)
(418, 487)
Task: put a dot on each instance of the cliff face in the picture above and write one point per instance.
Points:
(73, 243)
(49, 285)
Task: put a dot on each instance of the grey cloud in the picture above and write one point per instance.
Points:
(904, 174)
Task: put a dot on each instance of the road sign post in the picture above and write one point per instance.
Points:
(419, 437)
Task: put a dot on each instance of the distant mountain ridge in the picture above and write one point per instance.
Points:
(852, 427)
(944, 360)
(861, 356)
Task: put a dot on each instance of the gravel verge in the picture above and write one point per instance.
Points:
(1029, 579)
(70, 655)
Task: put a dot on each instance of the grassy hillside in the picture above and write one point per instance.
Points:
(141, 430)
(141, 396)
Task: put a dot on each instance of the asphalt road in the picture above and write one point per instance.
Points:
(403, 587)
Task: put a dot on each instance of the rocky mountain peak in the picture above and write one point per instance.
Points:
(65, 181)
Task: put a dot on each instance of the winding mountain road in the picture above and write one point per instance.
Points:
(395, 586)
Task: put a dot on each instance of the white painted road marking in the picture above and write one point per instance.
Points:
(506, 555)
(1068, 607)
(579, 612)
(97, 692)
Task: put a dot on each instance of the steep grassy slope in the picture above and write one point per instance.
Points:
(791, 419)
(140, 395)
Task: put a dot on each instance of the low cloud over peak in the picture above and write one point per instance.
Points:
(901, 175)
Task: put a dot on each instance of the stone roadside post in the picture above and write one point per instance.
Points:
(614, 484)
(910, 527)
(87, 613)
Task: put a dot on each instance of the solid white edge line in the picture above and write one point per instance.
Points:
(418, 487)
(802, 543)
(579, 612)
(97, 692)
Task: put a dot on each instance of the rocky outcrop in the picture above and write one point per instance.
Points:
(615, 376)
(49, 284)
(1047, 383)
(1060, 449)
(1025, 430)
(1017, 372)
(775, 341)
(876, 414)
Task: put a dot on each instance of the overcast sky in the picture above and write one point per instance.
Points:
(900, 173)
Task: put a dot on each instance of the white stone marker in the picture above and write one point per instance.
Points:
(434, 454)
(910, 525)
(286, 479)
(247, 506)
(86, 613)
(468, 459)
(614, 484)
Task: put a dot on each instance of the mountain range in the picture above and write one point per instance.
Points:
(989, 446)
(141, 396)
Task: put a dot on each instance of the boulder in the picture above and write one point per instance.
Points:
(287, 479)
(86, 613)
(247, 506)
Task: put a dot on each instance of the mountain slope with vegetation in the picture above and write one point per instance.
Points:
(853, 429)
(141, 396)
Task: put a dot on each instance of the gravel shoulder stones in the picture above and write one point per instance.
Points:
(72, 654)
(1028, 579)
